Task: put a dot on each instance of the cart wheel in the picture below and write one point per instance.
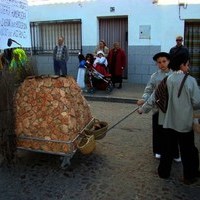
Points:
(91, 90)
(66, 162)
(109, 89)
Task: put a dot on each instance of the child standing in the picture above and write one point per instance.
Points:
(81, 71)
(162, 60)
(177, 121)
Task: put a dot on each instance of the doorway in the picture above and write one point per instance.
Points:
(192, 42)
(115, 30)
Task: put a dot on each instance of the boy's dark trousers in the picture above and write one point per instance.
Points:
(189, 153)
(156, 134)
(157, 137)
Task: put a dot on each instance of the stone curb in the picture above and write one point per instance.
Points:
(110, 99)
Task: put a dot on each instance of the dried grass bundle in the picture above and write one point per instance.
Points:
(7, 118)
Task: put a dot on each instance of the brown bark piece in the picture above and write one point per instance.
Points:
(52, 109)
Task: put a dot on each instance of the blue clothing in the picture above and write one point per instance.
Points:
(82, 64)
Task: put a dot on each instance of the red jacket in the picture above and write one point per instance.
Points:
(116, 63)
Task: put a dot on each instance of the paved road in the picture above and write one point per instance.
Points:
(121, 168)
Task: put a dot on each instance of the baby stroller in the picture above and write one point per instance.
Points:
(98, 78)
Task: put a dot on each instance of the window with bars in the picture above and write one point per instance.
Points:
(44, 35)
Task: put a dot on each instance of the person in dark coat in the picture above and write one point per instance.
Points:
(116, 63)
(178, 48)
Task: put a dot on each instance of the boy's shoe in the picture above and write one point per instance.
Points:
(164, 176)
(157, 156)
(177, 159)
(188, 181)
(198, 174)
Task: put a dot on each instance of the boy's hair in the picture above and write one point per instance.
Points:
(176, 62)
(161, 54)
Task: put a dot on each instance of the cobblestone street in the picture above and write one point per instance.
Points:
(122, 166)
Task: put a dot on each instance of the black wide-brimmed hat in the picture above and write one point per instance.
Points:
(161, 54)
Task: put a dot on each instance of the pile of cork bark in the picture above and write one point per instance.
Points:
(50, 113)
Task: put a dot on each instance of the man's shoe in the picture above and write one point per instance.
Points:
(177, 159)
(120, 86)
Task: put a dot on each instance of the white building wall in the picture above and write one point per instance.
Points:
(163, 20)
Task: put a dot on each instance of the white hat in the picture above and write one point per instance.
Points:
(100, 52)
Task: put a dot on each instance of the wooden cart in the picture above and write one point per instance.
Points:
(71, 145)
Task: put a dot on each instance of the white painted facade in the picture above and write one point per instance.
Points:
(163, 20)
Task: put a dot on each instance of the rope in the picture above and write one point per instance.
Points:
(123, 118)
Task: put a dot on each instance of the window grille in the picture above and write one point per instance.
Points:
(44, 35)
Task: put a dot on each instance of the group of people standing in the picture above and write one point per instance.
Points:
(173, 129)
(114, 60)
